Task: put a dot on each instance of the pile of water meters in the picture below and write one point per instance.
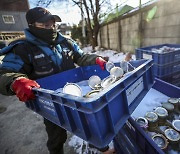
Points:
(163, 125)
(96, 84)
(164, 49)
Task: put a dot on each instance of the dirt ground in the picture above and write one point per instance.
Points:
(21, 130)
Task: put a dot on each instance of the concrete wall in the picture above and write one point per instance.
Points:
(134, 30)
(113, 37)
(130, 33)
(104, 38)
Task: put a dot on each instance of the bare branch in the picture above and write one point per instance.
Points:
(92, 8)
(78, 3)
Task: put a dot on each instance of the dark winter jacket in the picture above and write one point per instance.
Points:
(35, 59)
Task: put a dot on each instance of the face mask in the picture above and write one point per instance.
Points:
(47, 35)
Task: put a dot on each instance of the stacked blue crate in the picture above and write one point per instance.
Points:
(132, 138)
(166, 65)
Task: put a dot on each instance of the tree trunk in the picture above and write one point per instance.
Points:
(93, 27)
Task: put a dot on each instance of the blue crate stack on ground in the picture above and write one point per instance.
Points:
(98, 119)
(132, 139)
(166, 65)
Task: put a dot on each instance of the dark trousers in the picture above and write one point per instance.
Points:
(56, 137)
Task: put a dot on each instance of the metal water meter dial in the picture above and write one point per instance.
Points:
(176, 125)
(172, 135)
(175, 102)
(152, 118)
(162, 115)
(92, 93)
(142, 122)
(161, 141)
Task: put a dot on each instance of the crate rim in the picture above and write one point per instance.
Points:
(165, 44)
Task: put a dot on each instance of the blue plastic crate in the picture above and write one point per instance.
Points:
(177, 83)
(96, 120)
(165, 70)
(132, 138)
(172, 78)
(161, 59)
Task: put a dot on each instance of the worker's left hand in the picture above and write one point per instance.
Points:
(101, 62)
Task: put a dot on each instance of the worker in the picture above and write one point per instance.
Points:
(43, 52)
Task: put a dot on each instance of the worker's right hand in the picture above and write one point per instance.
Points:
(101, 62)
(22, 87)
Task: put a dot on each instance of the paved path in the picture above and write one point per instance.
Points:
(21, 130)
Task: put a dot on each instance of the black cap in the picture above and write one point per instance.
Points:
(39, 14)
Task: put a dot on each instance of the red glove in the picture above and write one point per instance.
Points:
(101, 62)
(23, 88)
